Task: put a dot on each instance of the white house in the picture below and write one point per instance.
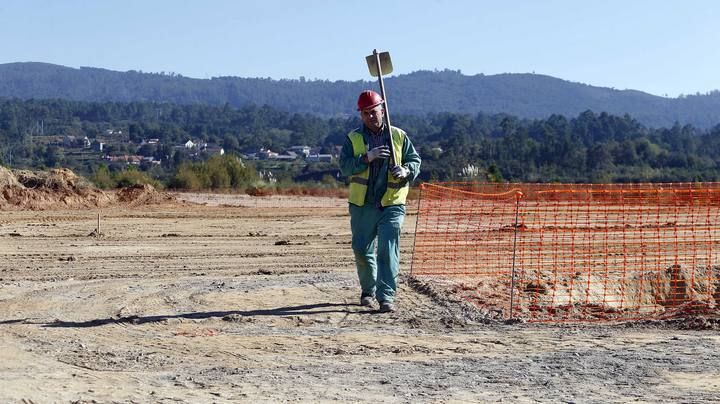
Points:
(304, 150)
(214, 150)
(319, 158)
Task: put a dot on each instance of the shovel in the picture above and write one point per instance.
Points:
(379, 64)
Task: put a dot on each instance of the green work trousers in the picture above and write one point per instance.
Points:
(376, 245)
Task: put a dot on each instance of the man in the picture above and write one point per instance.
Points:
(379, 184)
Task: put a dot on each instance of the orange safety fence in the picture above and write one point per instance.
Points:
(573, 252)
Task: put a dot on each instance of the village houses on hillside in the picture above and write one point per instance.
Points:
(145, 150)
(309, 154)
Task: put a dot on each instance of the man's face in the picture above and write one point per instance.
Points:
(373, 117)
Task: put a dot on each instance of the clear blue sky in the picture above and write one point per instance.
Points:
(660, 47)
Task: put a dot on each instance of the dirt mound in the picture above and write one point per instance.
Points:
(56, 179)
(63, 189)
(673, 292)
(683, 288)
(54, 189)
(8, 179)
(143, 194)
(676, 290)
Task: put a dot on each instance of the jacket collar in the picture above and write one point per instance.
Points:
(370, 133)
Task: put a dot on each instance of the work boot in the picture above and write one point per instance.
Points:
(366, 300)
(387, 307)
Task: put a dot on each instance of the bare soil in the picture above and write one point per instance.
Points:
(202, 298)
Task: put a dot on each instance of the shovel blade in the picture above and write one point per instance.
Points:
(386, 66)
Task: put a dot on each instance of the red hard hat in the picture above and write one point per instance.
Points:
(369, 99)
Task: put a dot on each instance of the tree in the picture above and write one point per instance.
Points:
(102, 178)
(53, 156)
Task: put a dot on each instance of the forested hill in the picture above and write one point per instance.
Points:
(522, 95)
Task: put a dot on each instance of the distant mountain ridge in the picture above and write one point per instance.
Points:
(522, 95)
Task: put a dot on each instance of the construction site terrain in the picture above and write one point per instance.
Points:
(222, 298)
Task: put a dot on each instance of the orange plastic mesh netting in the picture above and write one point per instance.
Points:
(573, 252)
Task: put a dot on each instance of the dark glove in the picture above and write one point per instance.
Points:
(380, 152)
(400, 172)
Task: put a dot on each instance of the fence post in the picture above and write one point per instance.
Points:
(417, 219)
(515, 231)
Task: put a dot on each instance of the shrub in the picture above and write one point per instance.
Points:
(132, 176)
(219, 172)
(102, 178)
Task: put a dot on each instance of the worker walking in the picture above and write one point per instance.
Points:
(380, 163)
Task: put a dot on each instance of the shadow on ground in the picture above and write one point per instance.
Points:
(309, 309)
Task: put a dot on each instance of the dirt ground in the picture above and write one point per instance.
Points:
(234, 298)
